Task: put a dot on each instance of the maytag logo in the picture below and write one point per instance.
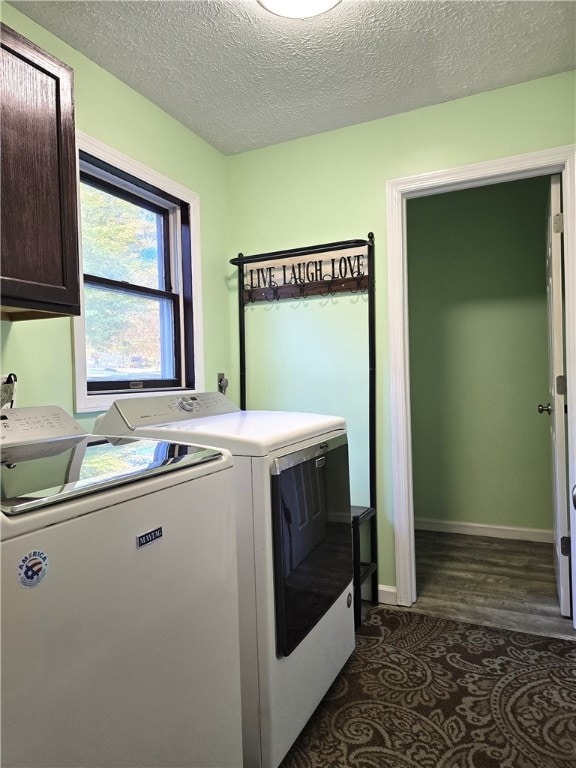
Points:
(148, 538)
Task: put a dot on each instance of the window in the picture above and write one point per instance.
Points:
(137, 332)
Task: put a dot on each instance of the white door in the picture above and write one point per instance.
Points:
(557, 389)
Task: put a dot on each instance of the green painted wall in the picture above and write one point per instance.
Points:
(318, 189)
(312, 355)
(479, 355)
(40, 352)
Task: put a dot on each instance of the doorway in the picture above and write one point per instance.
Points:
(478, 339)
(399, 192)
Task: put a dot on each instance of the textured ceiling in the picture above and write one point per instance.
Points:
(242, 78)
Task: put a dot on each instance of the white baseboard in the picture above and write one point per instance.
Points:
(477, 529)
(386, 595)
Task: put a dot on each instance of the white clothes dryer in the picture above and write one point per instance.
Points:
(120, 644)
(294, 550)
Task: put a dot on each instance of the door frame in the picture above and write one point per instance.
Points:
(560, 160)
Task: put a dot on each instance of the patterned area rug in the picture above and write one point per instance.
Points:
(425, 692)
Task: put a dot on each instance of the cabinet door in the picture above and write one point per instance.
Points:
(39, 220)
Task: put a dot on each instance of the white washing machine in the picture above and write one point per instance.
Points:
(294, 550)
(120, 644)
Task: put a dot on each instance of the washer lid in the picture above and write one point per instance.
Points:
(38, 474)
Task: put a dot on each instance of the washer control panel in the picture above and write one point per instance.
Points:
(30, 425)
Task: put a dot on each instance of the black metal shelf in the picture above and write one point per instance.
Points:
(362, 570)
(355, 284)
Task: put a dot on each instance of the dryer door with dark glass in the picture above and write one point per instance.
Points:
(312, 537)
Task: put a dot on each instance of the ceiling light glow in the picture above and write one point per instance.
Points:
(298, 9)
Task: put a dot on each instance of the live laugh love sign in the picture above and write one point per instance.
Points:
(302, 275)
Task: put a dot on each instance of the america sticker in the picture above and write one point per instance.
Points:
(32, 568)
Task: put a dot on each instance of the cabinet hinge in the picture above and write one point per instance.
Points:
(558, 223)
(565, 545)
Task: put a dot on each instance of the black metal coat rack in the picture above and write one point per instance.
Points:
(302, 272)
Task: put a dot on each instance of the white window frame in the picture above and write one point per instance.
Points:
(91, 403)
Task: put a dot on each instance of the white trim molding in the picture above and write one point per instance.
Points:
(546, 162)
(480, 529)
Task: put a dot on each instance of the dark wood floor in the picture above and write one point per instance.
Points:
(494, 582)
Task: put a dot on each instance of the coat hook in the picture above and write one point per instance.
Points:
(359, 288)
(275, 293)
(330, 281)
(299, 281)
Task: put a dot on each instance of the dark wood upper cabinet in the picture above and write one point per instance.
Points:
(39, 266)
